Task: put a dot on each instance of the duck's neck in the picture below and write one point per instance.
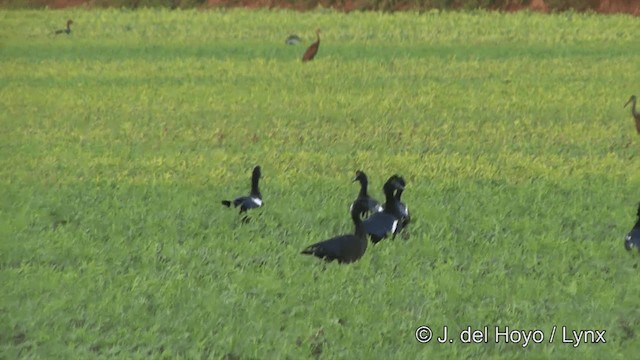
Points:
(363, 188)
(357, 221)
(255, 190)
(637, 225)
(633, 108)
(390, 200)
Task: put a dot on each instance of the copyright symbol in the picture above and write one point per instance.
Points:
(424, 334)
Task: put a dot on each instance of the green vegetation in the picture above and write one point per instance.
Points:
(360, 5)
(119, 141)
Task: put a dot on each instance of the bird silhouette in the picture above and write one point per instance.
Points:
(313, 49)
(66, 30)
(632, 240)
(402, 207)
(345, 248)
(373, 206)
(388, 221)
(254, 200)
(636, 115)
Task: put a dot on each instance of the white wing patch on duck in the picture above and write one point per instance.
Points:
(394, 226)
(256, 201)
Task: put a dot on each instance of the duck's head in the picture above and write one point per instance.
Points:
(392, 185)
(399, 179)
(360, 176)
(257, 171)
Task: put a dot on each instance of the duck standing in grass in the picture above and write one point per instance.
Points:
(636, 116)
(66, 30)
(313, 49)
(632, 240)
(372, 204)
(346, 248)
(402, 207)
(389, 220)
(254, 200)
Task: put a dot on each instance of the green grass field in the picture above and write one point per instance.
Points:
(118, 142)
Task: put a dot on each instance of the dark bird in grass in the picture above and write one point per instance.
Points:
(402, 207)
(636, 115)
(254, 200)
(293, 40)
(66, 30)
(313, 49)
(389, 220)
(345, 248)
(373, 206)
(632, 240)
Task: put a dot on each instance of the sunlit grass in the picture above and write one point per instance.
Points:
(119, 141)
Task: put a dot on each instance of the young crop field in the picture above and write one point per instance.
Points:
(119, 141)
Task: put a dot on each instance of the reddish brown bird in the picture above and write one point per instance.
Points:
(635, 114)
(313, 49)
(67, 30)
